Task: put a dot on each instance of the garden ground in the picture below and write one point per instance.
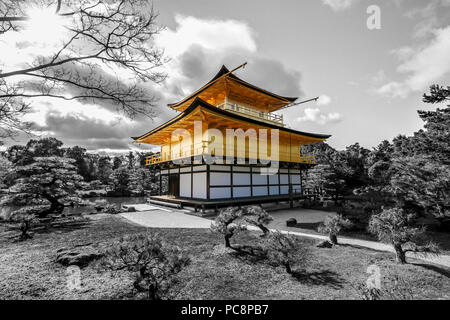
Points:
(28, 269)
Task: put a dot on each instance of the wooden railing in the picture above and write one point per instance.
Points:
(153, 159)
(196, 150)
(259, 115)
(308, 159)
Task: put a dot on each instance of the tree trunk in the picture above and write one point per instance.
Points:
(24, 227)
(153, 292)
(227, 241)
(55, 207)
(264, 229)
(400, 254)
(288, 268)
(333, 239)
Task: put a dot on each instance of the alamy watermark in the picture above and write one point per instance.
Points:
(374, 279)
(73, 278)
(374, 19)
(212, 147)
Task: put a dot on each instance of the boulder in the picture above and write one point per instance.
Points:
(292, 222)
(67, 257)
(325, 244)
(131, 209)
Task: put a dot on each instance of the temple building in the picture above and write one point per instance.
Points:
(228, 147)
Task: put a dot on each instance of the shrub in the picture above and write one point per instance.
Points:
(394, 288)
(111, 208)
(227, 224)
(24, 218)
(95, 185)
(333, 225)
(152, 263)
(286, 250)
(100, 204)
(395, 226)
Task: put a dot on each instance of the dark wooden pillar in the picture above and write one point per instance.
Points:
(291, 200)
(207, 182)
(160, 181)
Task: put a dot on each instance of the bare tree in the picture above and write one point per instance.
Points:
(105, 57)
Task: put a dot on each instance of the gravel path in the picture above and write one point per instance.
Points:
(174, 218)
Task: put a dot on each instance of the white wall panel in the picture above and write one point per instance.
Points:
(185, 185)
(259, 179)
(219, 193)
(220, 168)
(295, 179)
(241, 169)
(259, 191)
(219, 179)
(284, 190)
(273, 179)
(199, 185)
(274, 190)
(239, 192)
(241, 179)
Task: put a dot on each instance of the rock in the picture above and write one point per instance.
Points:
(291, 222)
(131, 209)
(68, 257)
(328, 204)
(325, 244)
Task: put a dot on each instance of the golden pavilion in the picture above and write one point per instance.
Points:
(203, 163)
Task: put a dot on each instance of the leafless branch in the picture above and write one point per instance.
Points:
(102, 35)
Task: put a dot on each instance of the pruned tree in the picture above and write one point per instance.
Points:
(21, 155)
(152, 263)
(227, 224)
(120, 181)
(333, 225)
(287, 250)
(41, 189)
(106, 53)
(423, 182)
(48, 181)
(396, 227)
(258, 217)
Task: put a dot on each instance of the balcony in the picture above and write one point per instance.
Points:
(202, 149)
(268, 117)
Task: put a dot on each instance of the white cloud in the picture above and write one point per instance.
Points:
(319, 117)
(423, 66)
(198, 47)
(323, 100)
(339, 5)
(207, 33)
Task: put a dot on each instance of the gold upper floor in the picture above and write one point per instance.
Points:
(227, 90)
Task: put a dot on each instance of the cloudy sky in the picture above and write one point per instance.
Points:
(370, 81)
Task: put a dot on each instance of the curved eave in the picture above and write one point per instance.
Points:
(224, 70)
(200, 103)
